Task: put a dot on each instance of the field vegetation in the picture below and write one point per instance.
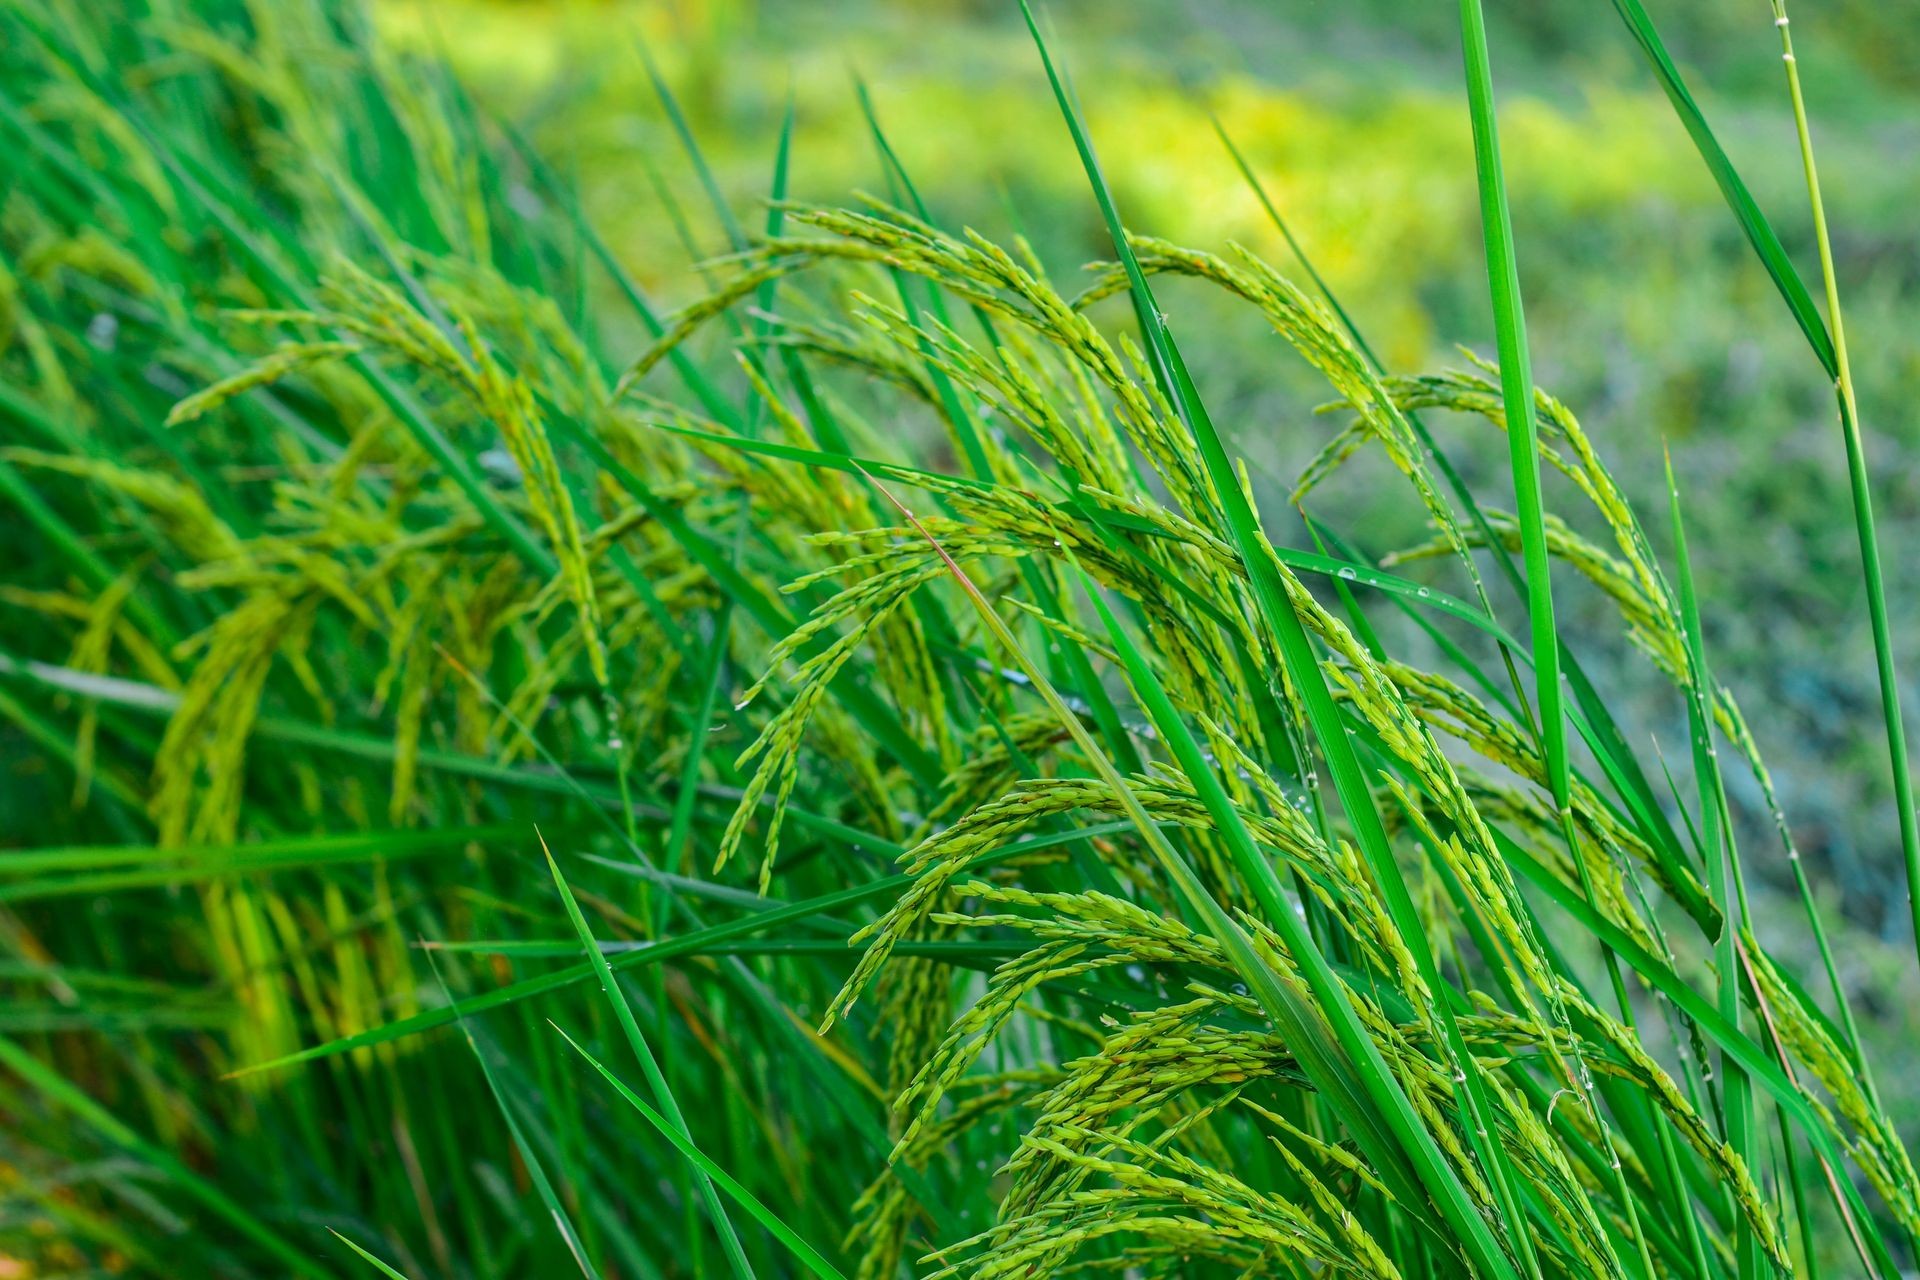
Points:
(678, 690)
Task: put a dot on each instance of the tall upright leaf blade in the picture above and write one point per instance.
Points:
(1759, 232)
(1861, 491)
(1523, 445)
(1296, 650)
(649, 1065)
(811, 1258)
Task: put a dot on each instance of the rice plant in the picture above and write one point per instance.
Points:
(853, 776)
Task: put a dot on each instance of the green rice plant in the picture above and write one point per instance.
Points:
(1007, 839)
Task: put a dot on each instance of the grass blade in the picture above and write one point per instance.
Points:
(1296, 650)
(1516, 383)
(1861, 491)
(1759, 232)
(808, 1256)
(649, 1066)
(368, 1258)
(536, 1172)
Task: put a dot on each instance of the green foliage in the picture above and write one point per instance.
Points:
(928, 712)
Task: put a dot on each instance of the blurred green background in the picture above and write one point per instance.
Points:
(1649, 316)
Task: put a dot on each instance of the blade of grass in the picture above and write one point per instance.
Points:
(649, 1065)
(1723, 863)
(207, 863)
(1285, 627)
(1759, 232)
(736, 238)
(368, 1258)
(536, 1172)
(1793, 292)
(1861, 490)
(807, 1255)
(1516, 384)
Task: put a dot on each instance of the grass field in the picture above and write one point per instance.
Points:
(653, 704)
